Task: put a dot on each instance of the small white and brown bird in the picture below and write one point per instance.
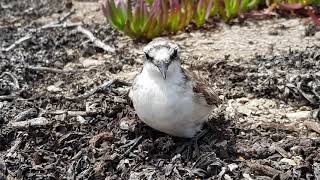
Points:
(168, 98)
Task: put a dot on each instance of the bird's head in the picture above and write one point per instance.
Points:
(162, 56)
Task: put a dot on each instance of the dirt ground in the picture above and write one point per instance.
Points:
(64, 111)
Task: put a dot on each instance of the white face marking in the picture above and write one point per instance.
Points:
(174, 74)
(160, 54)
(159, 43)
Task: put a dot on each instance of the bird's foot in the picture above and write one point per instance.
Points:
(191, 147)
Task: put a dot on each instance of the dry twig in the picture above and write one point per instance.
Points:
(102, 87)
(64, 25)
(100, 137)
(52, 70)
(13, 79)
(263, 169)
(35, 122)
(95, 41)
(15, 146)
(72, 113)
(135, 143)
(25, 114)
(59, 22)
(7, 97)
(313, 126)
(281, 151)
(19, 41)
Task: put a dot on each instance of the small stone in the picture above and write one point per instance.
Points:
(246, 176)
(305, 108)
(54, 88)
(233, 167)
(242, 100)
(81, 120)
(119, 99)
(58, 64)
(296, 150)
(301, 115)
(127, 124)
(317, 35)
(288, 161)
(90, 62)
(297, 159)
(227, 177)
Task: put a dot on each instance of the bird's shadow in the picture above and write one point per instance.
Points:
(206, 158)
(219, 138)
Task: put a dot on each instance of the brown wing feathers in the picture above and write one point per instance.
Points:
(201, 89)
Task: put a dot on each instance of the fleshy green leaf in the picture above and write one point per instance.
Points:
(150, 18)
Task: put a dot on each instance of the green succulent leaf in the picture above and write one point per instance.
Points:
(203, 10)
(183, 17)
(117, 14)
(175, 15)
(150, 18)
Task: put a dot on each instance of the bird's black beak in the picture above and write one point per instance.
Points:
(163, 68)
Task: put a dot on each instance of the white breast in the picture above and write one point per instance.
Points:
(167, 105)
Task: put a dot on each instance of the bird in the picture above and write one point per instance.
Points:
(168, 97)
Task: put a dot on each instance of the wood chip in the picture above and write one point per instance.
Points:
(97, 42)
(100, 137)
(263, 169)
(35, 122)
(313, 126)
(19, 41)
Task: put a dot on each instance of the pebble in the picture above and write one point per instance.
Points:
(300, 115)
(81, 120)
(233, 167)
(227, 177)
(53, 88)
(246, 176)
(288, 161)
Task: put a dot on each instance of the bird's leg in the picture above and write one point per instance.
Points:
(194, 141)
(192, 145)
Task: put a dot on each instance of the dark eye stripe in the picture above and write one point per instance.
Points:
(148, 57)
(174, 54)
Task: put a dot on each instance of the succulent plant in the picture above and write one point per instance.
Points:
(150, 18)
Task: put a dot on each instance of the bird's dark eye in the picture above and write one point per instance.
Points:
(148, 57)
(174, 54)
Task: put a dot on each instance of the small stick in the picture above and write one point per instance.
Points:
(8, 97)
(59, 21)
(15, 146)
(13, 78)
(136, 142)
(77, 113)
(103, 86)
(52, 70)
(108, 136)
(263, 169)
(95, 41)
(35, 122)
(281, 151)
(71, 113)
(25, 114)
(64, 25)
(19, 41)
(313, 126)
(65, 17)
